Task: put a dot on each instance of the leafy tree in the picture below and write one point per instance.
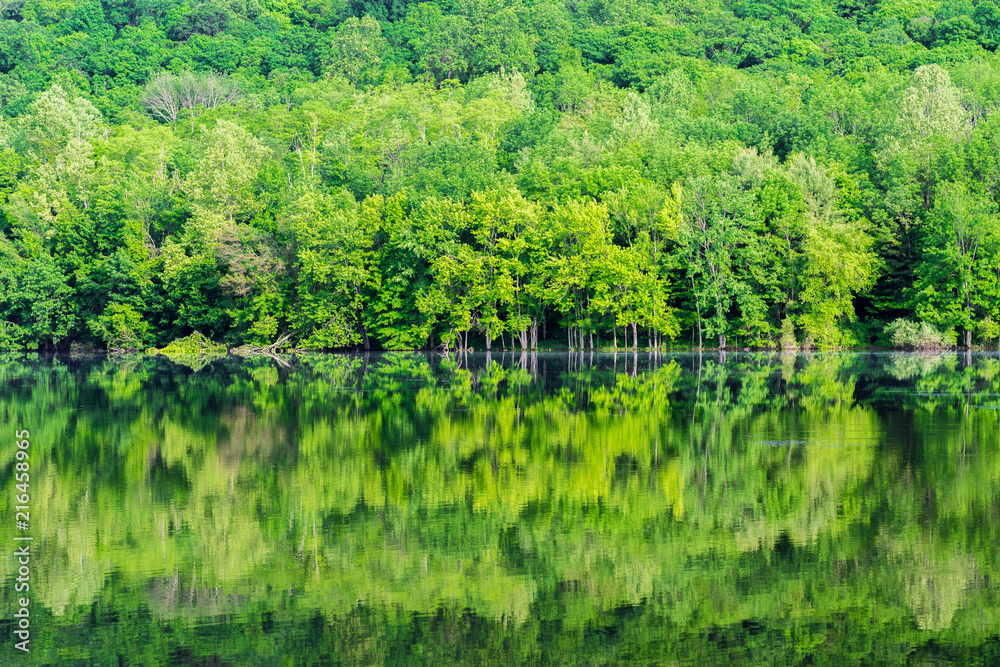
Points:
(121, 328)
(336, 270)
(53, 120)
(224, 181)
(839, 262)
(716, 234)
(500, 40)
(987, 17)
(581, 242)
(357, 51)
(818, 147)
(956, 281)
(35, 300)
(441, 43)
(205, 18)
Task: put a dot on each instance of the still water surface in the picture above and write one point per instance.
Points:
(525, 509)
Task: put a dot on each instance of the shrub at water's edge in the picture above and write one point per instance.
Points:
(918, 335)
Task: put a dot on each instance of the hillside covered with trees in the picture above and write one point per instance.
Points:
(498, 173)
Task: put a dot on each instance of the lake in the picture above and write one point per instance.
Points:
(399, 508)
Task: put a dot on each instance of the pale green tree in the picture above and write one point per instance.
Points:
(357, 49)
(840, 261)
(501, 226)
(718, 243)
(930, 106)
(580, 253)
(930, 120)
(53, 120)
(493, 101)
(956, 281)
(224, 180)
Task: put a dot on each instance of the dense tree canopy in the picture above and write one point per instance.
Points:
(504, 173)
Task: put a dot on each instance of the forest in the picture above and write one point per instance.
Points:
(488, 174)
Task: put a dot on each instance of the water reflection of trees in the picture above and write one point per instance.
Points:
(677, 498)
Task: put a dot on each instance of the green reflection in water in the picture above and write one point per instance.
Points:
(836, 508)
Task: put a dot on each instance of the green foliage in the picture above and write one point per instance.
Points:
(195, 344)
(36, 301)
(195, 350)
(918, 336)
(830, 164)
(788, 341)
(121, 328)
(989, 331)
(334, 264)
(357, 51)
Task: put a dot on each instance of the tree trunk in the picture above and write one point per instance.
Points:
(489, 341)
(697, 310)
(968, 338)
(722, 341)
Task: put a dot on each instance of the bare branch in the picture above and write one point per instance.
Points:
(166, 94)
